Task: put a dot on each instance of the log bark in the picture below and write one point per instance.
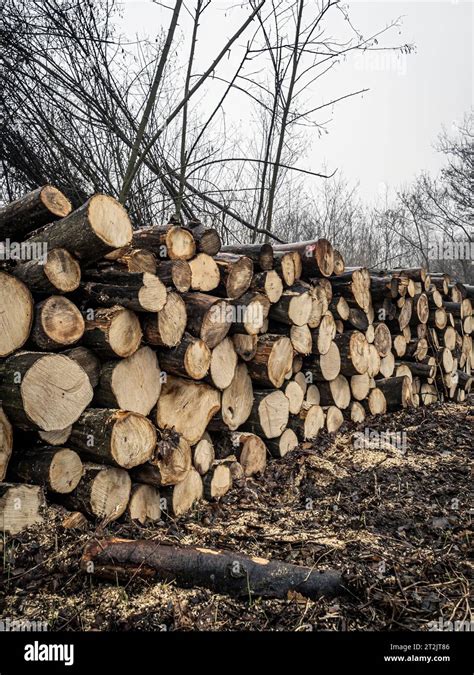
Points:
(260, 254)
(167, 327)
(166, 241)
(190, 358)
(397, 392)
(236, 274)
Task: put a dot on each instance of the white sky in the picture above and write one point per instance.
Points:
(386, 136)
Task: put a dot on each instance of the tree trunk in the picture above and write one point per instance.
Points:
(56, 469)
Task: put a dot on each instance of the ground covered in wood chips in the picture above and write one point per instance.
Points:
(397, 519)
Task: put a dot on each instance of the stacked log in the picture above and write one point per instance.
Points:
(141, 371)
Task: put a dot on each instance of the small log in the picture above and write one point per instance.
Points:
(203, 454)
(144, 506)
(269, 283)
(260, 254)
(249, 313)
(205, 275)
(166, 241)
(308, 423)
(269, 414)
(60, 273)
(281, 446)
(217, 482)
(272, 361)
(207, 239)
(337, 392)
(56, 469)
(112, 332)
(223, 364)
(354, 351)
(294, 307)
(397, 391)
(208, 317)
(327, 366)
(334, 419)
(237, 401)
(58, 324)
(167, 327)
(122, 439)
(245, 345)
(170, 463)
(236, 274)
(250, 451)
(360, 386)
(180, 498)
(175, 272)
(56, 438)
(21, 507)
(187, 407)
(323, 336)
(142, 293)
(103, 493)
(295, 396)
(191, 358)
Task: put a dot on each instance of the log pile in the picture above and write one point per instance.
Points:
(143, 370)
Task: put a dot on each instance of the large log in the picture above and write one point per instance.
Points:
(16, 314)
(132, 384)
(33, 210)
(269, 283)
(221, 571)
(93, 230)
(249, 313)
(354, 351)
(31, 379)
(294, 307)
(122, 439)
(112, 332)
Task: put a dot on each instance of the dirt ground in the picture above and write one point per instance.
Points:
(397, 521)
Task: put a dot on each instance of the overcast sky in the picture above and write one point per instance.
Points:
(386, 136)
